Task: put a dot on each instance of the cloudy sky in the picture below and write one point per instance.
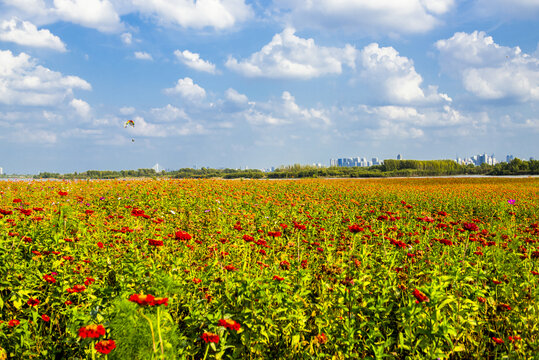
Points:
(261, 83)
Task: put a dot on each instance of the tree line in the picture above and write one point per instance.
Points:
(390, 168)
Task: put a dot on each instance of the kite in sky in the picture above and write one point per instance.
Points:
(129, 123)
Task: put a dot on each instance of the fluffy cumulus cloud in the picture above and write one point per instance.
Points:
(289, 56)
(194, 61)
(381, 16)
(24, 82)
(25, 33)
(394, 78)
(141, 55)
(82, 108)
(281, 112)
(96, 14)
(187, 89)
(488, 70)
(218, 14)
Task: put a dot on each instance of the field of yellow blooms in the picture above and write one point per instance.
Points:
(313, 269)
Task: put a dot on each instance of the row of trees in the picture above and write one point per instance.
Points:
(390, 168)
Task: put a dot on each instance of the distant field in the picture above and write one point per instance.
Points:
(308, 269)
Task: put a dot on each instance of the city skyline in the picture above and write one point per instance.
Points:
(245, 83)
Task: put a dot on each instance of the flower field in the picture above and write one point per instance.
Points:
(310, 269)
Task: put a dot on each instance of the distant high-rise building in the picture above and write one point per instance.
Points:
(1, 171)
(399, 157)
(157, 168)
(509, 158)
(375, 161)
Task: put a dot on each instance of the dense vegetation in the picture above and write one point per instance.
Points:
(390, 168)
(311, 269)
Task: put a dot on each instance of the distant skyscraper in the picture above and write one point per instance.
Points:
(399, 157)
(1, 171)
(509, 158)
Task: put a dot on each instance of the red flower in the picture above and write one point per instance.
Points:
(210, 337)
(285, 265)
(497, 340)
(100, 245)
(92, 331)
(13, 323)
(230, 268)
(504, 306)
(321, 338)
(514, 338)
(105, 346)
(17, 200)
(33, 302)
(155, 242)
(45, 318)
(49, 279)
(76, 289)
(229, 324)
(62, 193)
(274, 233)
(355, 228)
(481, 299)
(299, 226)
(89, 281)
(197, 280)
(182, 235)
(160, 301)
(470, 226)
(278, 278)
(420, 296)
(142, 300)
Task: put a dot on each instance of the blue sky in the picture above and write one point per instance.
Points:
(236, 83)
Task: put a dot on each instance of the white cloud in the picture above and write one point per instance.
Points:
(33, 136)
(127, 38)
(187, 89)
(394, 78)
(488, 70)
(508, 9)
(284, 111)
(289, 56)
(150, 129)
(95, 14)
(370, 16)
(81, 107)
(218, 14)
(168, 113)
(25, 33)
(23, 82)
(235, 97)
(141, 55)
(194, 61)
(127, 110)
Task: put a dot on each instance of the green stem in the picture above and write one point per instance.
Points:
(151, 328)
(92, 349)
(159, 333)
(206, 353)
